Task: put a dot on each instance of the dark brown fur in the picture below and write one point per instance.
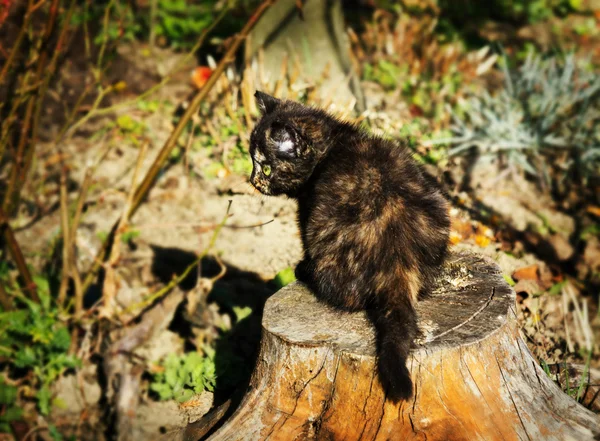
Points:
(374, 228)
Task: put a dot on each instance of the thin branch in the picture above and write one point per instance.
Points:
(17, 255)
(73, 243)
(109, 291)
(171, 142)
(64, 222)
(111, 109)
(28, 135)
(177, 280)
(5, 300)
(17, 44)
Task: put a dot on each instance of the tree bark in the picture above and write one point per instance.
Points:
(474, 376)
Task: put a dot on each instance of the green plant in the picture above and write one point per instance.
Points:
(519, 11)
(129, 235)
(179, 21)
(182, 376)
(8, 405)
(284, 277)
(121, 23)
(509, 280)
(130, 129)
(545, 118)
(385, 73)
(34, 340)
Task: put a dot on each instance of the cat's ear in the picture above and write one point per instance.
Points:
(266, 103)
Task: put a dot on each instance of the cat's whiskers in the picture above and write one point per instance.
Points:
(262, 198)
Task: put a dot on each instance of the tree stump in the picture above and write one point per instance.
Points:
(474, 376)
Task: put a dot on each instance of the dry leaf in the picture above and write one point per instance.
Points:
(592, 209)
(120, 86)
(482, 241)
(455, 238)
(526, 273)
(562, 247)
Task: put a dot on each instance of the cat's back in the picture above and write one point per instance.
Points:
(368, 173)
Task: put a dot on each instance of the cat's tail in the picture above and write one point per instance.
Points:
(396, 328)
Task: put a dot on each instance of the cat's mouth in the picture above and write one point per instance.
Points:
(261, 186)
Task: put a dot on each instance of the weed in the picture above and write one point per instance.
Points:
(385, 73)
(8, 402)
(182, 376)
(129, 235)
(509, 280)
(33, 339)
(544, 120)
(284, 277)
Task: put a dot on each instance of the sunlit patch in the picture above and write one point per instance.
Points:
(286, 146)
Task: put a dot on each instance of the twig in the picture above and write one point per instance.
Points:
(17, 256)
(171, 142)
(107, 110)
(73, 241)
(153, 7)
(5, 300)
(18, 41)
(110, 284)
(198, 226)
(177, 280)
(188, 145)
(64, 222)
(105, 39)
(28, 135)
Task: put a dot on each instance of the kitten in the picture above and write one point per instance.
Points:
(374, 227)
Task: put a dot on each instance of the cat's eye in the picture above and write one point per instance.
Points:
(266, 170)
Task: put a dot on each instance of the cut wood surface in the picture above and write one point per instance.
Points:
(474, 377)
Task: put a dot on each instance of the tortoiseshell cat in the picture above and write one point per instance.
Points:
(374, 227)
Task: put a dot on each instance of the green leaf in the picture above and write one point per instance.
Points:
(54, 433)
(284, 277)
(509, 280)
(25, 357)
(556, 289)
(61, 340)
(241, 312)
(163, 390)
(185, 395)
(12, 413)
(172, 377)
(129, 235)
(8, 394)
(43, 395)
(126, 123)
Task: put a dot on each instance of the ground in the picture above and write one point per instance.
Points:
(260, 238)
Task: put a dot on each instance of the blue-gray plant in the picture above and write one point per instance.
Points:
(546, 116)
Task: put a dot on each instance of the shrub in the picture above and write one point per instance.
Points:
(545, 120)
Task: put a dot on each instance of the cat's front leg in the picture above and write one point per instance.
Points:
(304, 272)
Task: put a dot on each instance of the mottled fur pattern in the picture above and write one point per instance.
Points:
(374, 228)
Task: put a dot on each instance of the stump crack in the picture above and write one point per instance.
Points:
(512, 399)
(364, 409)
(380, 422)
(319, 420)
(475, 314)
(466, 365)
